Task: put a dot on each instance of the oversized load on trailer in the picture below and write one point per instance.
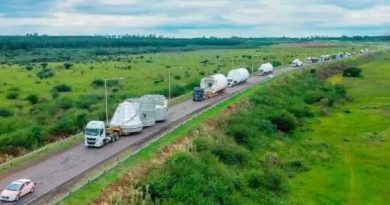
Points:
(160, 106)
(265, 69)
(210, 86)
(127, 117)
(130, 117)
(237, 76)
(297, 63)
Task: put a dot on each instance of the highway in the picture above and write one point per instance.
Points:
(58, 173)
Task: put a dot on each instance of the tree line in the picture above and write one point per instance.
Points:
(33, 41)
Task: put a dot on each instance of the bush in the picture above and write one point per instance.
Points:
(229, 155)
(29, 67)
(44, 65)
(45, 73)
(241, 133)
(177, 77)
(64, 103)
(86, 101)
(352, 72)
(12, 94)
(62, 88)
(275, 180)
(67, 65)
(284, 121)
(177, 90)
(71, 122)
(98, 83)
(33, 99)
(4, 112)
(276, 63)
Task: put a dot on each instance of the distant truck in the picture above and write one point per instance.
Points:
(209, 87)
(297, 63)
(237, 76)
(265, 69)
(130, 117)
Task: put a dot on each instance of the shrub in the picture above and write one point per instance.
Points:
(229, 155)
(12, 94)
(68, 65)
(276, 63)
(45, 73)
(71, 122)
(340, 90)
(86, 101)
(44, 65)
(33, 99)
(284, 121)
(352, 72)
(4, 112)
(98, 83)
(177, 90)
(62, 88)
(177, 77)
(275, 180)
(65, 103)
(29, 67)
(241, 133)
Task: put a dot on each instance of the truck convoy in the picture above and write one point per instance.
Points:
(297, 63)
(131, 116)
(210, 86)
(237, 76)
(265, 69)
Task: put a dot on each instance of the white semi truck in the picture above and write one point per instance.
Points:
(210, 86)
(237, 76)
(131, 116)
(297, 63)
(265, 69)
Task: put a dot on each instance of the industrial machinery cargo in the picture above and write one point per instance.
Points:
(265, 69)
(297, 63)
(237, 76)
(160, 106)
(130, 117)
(210, 86)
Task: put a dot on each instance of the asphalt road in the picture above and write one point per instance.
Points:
(58, 173)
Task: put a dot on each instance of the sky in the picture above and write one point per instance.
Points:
(190, 18)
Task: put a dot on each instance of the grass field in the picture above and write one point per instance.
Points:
(57, 115)
(359, 132)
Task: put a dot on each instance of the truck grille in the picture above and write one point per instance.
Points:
(91, 140)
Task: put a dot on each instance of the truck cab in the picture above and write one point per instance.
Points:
(231, 82)
(95, 134)
(198, 94)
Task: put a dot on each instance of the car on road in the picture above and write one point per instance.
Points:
(17, 189)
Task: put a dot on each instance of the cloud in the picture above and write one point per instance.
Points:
(196, 18)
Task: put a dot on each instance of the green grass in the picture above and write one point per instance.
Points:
(360, 172)
(145, 68)
(92, 190)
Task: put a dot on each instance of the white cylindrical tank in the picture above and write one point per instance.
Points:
(213, 84)
(265, 68)
(237, 76)
(126, 116)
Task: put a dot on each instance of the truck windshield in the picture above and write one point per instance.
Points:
(92, 132)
